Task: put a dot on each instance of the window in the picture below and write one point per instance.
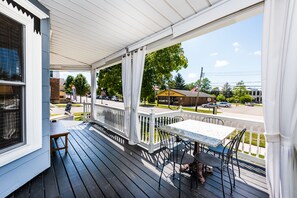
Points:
(12, 84)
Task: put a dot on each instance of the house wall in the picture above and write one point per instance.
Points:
(55, 90)
(184, 101)
(18, 172)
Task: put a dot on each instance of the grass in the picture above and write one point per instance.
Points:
(253, 154)
(78, 116)
(254, 139)
(186, 109)
(52, 115)
(64, 105)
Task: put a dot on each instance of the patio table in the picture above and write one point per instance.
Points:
(201, 133)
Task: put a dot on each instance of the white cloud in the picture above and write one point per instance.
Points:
(257, 53)
(214, 54)
(235, 44)
(192, 75)
(221, 63)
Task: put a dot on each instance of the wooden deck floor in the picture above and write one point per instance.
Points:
(100, 164)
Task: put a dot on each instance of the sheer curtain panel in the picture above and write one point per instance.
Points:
(279, 82)
(126, 85)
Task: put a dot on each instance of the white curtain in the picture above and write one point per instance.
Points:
(138, 59)
(126, 85)
(279, 82)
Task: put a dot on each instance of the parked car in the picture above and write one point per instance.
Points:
(209, 105)
(114, 98)
(251, 104)
(224, 104)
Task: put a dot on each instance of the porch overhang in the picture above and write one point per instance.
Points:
(95, 34)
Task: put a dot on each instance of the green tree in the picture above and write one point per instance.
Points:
(239, 90)
(110, 80)
(221, 97)
(157, 71)
(81, 85)
(215, 91)
(179, 82)
(158, 67)
(68, 84)
(227, 91)
(190, 86)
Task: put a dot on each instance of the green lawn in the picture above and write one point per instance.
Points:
(254, 139)
(78, 116)
(185, 109)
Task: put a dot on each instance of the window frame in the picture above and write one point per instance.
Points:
(32, 91)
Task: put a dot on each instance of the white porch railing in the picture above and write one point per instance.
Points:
(252, 147)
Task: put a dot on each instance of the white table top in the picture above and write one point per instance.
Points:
(201, 132)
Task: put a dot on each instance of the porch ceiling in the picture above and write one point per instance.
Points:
(98, 32)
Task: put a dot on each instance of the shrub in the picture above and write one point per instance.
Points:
(246, 98)
(221, 97)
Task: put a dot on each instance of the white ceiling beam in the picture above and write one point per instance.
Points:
(62, 67)
(213, 13)
(110, 60)
(151, 39)
(215, 25)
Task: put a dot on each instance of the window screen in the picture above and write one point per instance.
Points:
(12, 84)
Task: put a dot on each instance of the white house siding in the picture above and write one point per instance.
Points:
(18, 172)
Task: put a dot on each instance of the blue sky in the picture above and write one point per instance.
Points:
(230, 54)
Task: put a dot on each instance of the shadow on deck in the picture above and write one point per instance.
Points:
(101, 164)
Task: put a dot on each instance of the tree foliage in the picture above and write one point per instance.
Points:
(215, 91)
(110, 80)
(81, 85)
(158, 67)
(179, 82)
(221, 97)
(68, 84)
(227, 91)
(239, 90)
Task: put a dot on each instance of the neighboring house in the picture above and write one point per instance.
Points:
(57, 90)
(256, 94)
(24, 93)
(183, 97)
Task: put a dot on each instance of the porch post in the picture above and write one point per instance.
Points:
(151, 131)
(93, 93)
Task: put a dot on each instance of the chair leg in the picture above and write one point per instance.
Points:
(233, 172)
(179, 184)
(173, 176)
(229, 178)
(161, 174)
(222, 180)
(158, 158)
(238, 165)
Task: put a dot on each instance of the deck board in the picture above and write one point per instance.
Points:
(101, 164)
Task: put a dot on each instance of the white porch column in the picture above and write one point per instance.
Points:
(279, 82)
(93, 92)
(132, 72)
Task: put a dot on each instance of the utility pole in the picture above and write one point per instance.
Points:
(198, 89)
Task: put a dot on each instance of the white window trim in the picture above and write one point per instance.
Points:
(33, 87)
